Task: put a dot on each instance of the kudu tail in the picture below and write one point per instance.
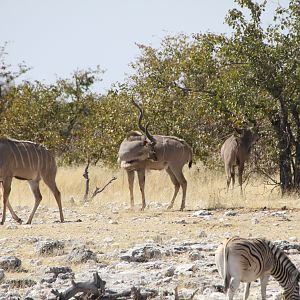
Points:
(190, 158)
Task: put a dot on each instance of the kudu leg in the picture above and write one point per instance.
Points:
(50, 182)
(176, 187)
(130, 176)
(141, 176)
(241, 170)
(230, 173)
(13, 214)
(34, 185)
(6, 187)
(183, 183)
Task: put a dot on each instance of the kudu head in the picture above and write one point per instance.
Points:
(150, 142)
(248, 135)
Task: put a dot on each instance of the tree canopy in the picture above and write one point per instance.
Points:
(198, 87)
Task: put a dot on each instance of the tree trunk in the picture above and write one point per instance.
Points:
(285, 157)
(297, 149)
(297, 167)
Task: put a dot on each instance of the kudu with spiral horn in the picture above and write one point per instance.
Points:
(141, 151)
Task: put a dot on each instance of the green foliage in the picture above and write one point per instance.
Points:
(197, 87)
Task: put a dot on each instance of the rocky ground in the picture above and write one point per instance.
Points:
(157, 251)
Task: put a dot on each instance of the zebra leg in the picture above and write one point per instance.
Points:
(34, 185)
(141, 176)
(50, 182)
(6, 187)
(176, 186)
(247, 290)
(234, 285)
(263, 286)
(130, 176)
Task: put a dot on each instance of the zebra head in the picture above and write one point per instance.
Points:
(292, 292)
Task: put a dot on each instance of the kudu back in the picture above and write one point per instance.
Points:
(140, 151)
(235, 152)
(29, 161)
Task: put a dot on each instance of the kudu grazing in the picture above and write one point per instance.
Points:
(235, 152)
(142, 151)
(27, 161)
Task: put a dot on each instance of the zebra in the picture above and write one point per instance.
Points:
(245, 260)
(29, 161)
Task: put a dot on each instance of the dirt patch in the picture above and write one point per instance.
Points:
(108, 231)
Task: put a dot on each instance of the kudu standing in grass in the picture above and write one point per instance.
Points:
(141, 151)
(235, 152)
(27, 161)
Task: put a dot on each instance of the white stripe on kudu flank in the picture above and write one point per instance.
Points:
(21, 156)
(14, 154)
(31, 154)
(38, 158)
(28, 155)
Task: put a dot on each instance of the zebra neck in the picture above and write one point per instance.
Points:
(284, 271)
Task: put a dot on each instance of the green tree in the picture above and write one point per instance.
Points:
(270, 59)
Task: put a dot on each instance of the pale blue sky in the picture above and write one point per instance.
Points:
(56, 37)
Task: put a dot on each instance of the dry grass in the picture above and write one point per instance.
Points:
(206, 189)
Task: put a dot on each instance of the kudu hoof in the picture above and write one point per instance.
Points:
(170, 207)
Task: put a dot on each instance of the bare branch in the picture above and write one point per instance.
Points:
(268, 176)
(99, 190)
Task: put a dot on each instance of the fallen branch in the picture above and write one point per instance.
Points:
(96, 287)
(96, 290)
(99, 190)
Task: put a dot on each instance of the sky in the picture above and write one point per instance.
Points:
(57, 37)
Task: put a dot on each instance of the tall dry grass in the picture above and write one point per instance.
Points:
(206, 189)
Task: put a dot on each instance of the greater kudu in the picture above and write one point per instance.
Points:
(235, 152)
(27, 161)
(141, 151)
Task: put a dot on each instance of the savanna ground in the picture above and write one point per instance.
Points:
(108, 224)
